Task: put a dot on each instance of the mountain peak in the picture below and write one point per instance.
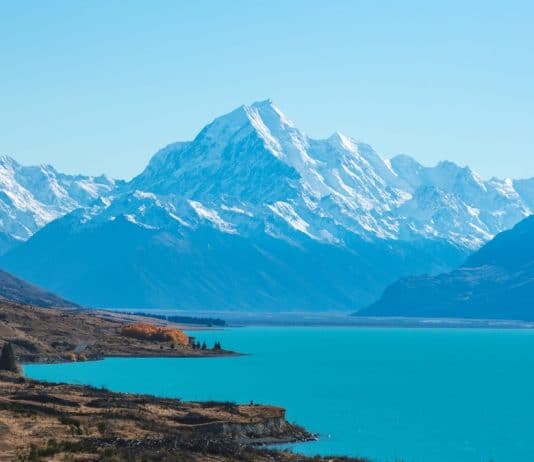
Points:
(271, 115)
(262, 116)
(449, 165)
(6, 160)
(266, 103)
(340, 140)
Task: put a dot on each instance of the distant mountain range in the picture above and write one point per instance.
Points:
(255, 215)
(496, 282)
(31, 197)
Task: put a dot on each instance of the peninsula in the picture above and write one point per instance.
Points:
(49, 421)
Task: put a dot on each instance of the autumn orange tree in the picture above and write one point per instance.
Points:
(146, 331)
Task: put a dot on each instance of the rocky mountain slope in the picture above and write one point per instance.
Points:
(497, 282)
(17, 290)
(254, 214)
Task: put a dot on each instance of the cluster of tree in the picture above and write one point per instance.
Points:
(144, 331)
(199, 346)
(183, 319)
(196, 345)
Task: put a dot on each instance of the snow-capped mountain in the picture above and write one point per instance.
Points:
(451, 202)
(31, 197)
(253, 167)
(254, 214)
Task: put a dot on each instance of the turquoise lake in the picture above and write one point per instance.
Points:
(416, 395)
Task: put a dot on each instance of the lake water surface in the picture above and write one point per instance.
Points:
(416, 395)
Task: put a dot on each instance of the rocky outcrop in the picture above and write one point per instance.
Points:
(269, 429)
(92, 422)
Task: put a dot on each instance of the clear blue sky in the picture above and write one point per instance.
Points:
(99, 86)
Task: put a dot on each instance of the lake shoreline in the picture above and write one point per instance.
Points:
(337, 319)
(50, 335)
(47, 419)
(386, 394)
(44, 418)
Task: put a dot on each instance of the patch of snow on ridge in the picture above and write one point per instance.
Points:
(504, 187)
(236, 210)
(292, 218)
(474, 212)
(145, 195)
(179, 220)
(132, 219)
(212, 216)
(327, 236)
(346, 142)
(90, 212)
(257, 122)
(105, 201)
(387, 162)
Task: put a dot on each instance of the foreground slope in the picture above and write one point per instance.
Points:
(497, 282)
(255, 215)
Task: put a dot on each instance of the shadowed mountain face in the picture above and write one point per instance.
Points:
(253, 214)
(7, 242)
(207, 269)
(497, 282)
(17, 290)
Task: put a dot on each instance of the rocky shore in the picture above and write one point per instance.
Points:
(59, 335)
(45, 421)
(42, 421)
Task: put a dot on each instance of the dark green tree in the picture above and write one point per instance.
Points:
(8, 362)
(204, 346)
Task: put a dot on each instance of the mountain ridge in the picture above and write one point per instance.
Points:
(264, 192)
(33, 196)
(496, 282)
(339, 178)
